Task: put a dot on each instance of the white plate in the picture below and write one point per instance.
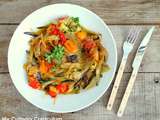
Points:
(17, 57)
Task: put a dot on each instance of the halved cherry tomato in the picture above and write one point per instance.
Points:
(52, 91)
(51, 28)
(34, 83)
(55, 31)
(62, 38)
(62, 88)
(52, 94)
(88, 44)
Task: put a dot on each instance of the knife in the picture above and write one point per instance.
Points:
(136, 64)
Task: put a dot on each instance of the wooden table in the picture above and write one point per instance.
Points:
(120, 15)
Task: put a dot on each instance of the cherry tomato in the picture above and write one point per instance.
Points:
(88, 44)
(34, 83)
(62, 38)
(51, 28)
(62, 88)
(52, 93)
(55, 31)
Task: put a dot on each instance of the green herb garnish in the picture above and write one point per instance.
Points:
(75, 19)
(57, 53)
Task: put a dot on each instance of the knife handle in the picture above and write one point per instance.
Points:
(127, 93)
(116, 83)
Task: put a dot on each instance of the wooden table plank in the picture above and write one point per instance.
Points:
(144, 100)
(150, 62)
(143, 103)
(5, 36)
(112, 11)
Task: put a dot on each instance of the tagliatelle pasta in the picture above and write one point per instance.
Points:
(65, 57)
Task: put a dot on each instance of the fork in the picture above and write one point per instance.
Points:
(127, 48)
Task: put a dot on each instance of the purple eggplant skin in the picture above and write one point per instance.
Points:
(87, 78)
(38, 76)
(31, 34)
(72, 58)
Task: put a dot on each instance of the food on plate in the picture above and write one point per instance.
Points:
(65, 57)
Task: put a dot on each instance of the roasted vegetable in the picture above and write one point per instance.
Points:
(38, 76)
(86, 78)
(81, 35)
(72, 58)
(71, 46)
(68, 80)
(31, 34)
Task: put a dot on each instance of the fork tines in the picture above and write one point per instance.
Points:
(133, 34)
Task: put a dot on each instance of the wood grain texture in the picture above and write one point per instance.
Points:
(112, 11)
(150, 62)
(5, 36)
(143, 103)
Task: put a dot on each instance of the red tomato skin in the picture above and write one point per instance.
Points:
(62, 88)
(88, 44)
(55, 31)
(34, 84)
(52, 94)
(62, 38)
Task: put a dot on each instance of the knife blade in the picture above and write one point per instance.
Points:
(141, 50)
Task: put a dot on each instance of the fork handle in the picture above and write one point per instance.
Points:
(127, 93)
(116, 83)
